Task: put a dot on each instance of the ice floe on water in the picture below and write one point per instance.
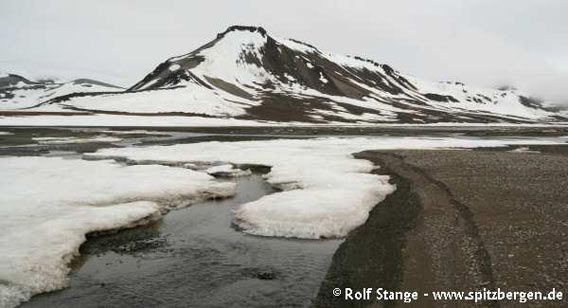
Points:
(62, 140)
(523, 150)
(326, 192)
(47, 206)
(135, 132)
(227, 170)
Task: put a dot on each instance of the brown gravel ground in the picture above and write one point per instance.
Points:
(460, 220)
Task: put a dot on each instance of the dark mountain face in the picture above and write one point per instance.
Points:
(246, 73)
(285, 64)
(13, 79)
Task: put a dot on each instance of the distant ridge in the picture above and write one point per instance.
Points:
(245, 73)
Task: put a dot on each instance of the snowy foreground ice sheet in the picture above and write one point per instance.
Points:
(47, 206)
(326, 192)
(63, 140)
(107, 120)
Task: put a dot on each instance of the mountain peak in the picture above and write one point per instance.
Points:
(236, 28)
(244, 73)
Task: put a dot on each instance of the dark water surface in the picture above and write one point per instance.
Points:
(194, 258)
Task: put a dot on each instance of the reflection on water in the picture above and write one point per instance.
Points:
(194, 258)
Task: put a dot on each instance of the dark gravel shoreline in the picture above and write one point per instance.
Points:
(460, 220)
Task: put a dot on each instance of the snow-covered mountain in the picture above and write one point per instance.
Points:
(17, 92)
(245, 73)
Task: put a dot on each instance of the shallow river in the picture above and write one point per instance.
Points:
(193, 257)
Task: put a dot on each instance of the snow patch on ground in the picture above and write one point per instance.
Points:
(135, 132)
(174, 67)
(227, 171)
(47, 206)
(322, 79)
(62, 140)
(104, 120)
(523, 150)
(326, 192)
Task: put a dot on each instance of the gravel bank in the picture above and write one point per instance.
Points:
(461, 220)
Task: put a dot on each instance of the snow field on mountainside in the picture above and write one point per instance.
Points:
(192, 98)
(26, 96)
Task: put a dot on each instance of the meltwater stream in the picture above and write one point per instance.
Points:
(193, 257)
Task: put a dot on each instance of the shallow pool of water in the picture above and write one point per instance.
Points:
(193, 257)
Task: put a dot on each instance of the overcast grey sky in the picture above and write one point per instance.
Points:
(481, 42)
